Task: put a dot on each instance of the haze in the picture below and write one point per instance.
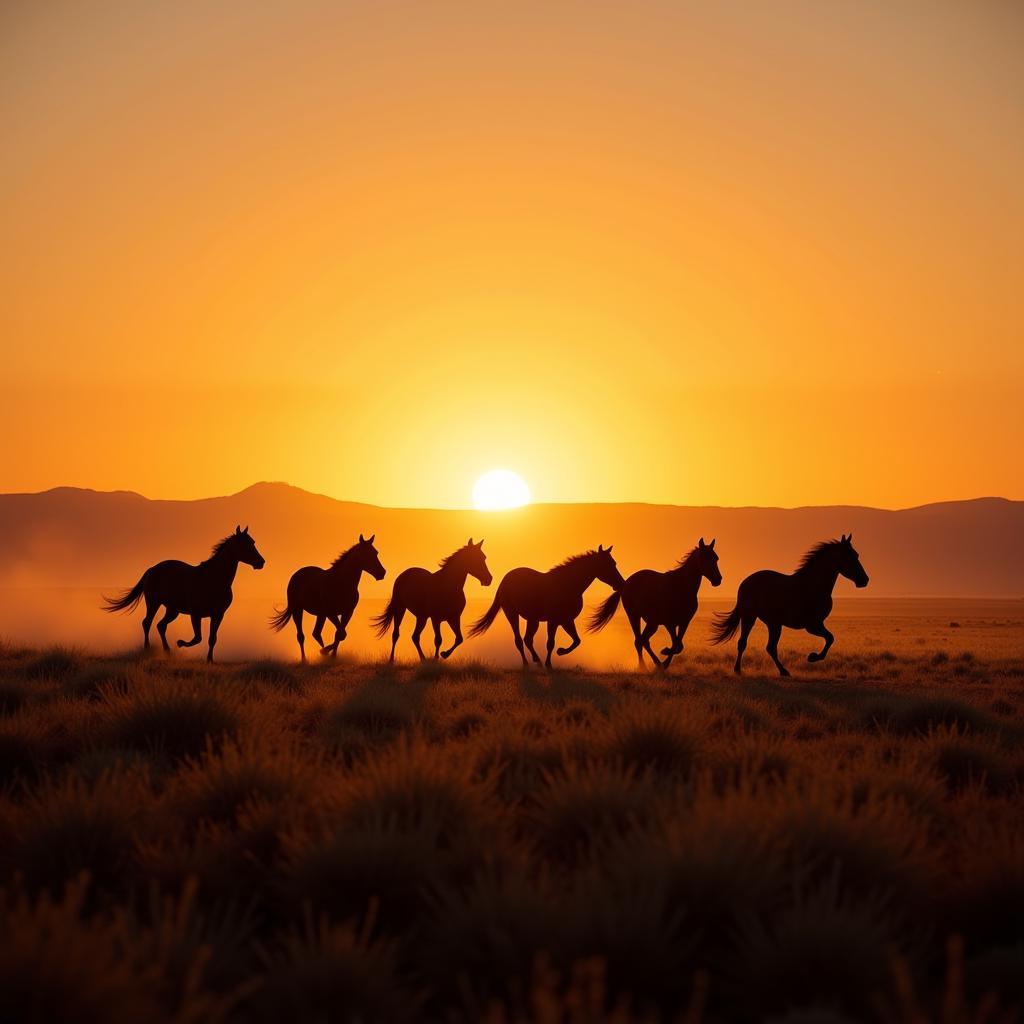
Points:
(691, 253)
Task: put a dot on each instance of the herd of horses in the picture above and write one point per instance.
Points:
(651, 600)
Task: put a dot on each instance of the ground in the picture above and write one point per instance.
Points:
(349, 841)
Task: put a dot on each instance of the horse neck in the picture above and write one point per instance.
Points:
(346, 572)
(454, 574)
(223, 566)
(820, 575)
(687, 576)
(580, 573)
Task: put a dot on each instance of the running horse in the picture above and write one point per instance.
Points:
(438, 596)
(654, 599)
(801, 600)
(200, 591)
(330, 594)
(554, 597)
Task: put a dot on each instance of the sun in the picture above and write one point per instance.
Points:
(500, 488)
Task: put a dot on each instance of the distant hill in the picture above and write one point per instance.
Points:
(69, 537)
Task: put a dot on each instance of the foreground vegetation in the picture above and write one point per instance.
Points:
(263, 841)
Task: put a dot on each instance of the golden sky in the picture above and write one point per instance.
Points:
(703, 253)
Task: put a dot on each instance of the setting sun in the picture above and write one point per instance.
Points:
(500, 488)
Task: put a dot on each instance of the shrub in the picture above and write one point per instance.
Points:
(55, 664)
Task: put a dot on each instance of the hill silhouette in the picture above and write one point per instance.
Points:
(71, 537)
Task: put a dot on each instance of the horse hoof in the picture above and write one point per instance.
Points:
(445, 654)
(563, 651)
(814, 656)
(181, 643)
(784, 672)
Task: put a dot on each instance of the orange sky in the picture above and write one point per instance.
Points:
(729, 253)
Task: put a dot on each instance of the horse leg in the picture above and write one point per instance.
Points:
(215, 621)
(821, 631)
(147, 620)
(634, 624)
(746, 625)
(531, 632)
(457, 630)
(161, 627)
(675, 640)
(420, 623)
(570, 628)
(299, 635)
(552, 630)
(339, 635)
(197, 632)
(318, 632)
(437, 638)
(772, 647)
(399, 615)
(513, 621)
(645, 638)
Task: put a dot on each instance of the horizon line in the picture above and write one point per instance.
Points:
(454, 508)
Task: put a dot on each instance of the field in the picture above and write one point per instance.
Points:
(259, 841)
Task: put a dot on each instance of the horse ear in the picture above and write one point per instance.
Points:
(469, 543)
(246, 530)
(480, 543)
(712, 544)
(372, 537)
(361, 539)
(701, 543)
(849, 538)
(600, 549)
(608, 550)
(238, 528)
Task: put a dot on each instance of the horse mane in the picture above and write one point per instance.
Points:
(343, 556)
(453, 555)
(817, 552)
(691, 556)
(220, 546)
(573, 559)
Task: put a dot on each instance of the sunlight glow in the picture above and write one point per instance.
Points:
(500, 488)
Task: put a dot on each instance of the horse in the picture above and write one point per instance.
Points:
(438, 596)
(801, 600)
(554, 597)
(330, 594)
(200, 591)
(652, 599)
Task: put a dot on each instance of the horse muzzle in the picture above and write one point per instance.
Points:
(861, 584)
(380, 573)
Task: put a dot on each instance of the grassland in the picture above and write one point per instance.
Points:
(352, 842)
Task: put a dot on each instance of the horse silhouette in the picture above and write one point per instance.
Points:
(801, 600)
(329, 594)
(200, 591)
(438, 596)
(554, 597)
(654, 599)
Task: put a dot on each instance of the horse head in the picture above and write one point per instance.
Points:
(476, 562)
(849, 562)
(369, 558)
(606, 569)
(243, 547)
(709, 563)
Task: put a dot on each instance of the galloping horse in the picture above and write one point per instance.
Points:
(653, 599)
(801, 600)
(554, 597)
(438, 596)
(200, 591)
(329, 594)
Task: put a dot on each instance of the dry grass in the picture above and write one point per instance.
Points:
(360, 842)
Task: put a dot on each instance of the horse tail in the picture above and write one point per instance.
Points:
(726, 625)
(484, 622)
(604, 614)
(382, 623)
(129, 600)
(280, 619)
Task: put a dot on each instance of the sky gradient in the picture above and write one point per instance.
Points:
(740, 254)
